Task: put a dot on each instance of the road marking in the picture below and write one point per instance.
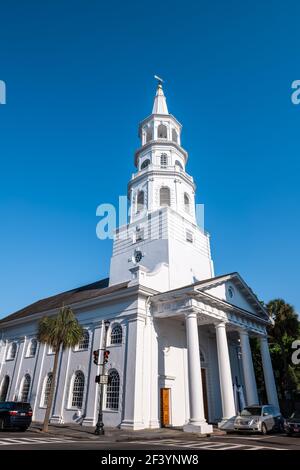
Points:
(7, 441)
(205, 445)
(252, 438)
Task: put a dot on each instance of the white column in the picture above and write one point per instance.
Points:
(154, 408)
(197, 422)
(134, 368)
(268, 372)
(248, 369)
(227, 396)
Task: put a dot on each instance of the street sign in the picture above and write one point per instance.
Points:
(103, 379)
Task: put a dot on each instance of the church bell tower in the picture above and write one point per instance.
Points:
(162, 247)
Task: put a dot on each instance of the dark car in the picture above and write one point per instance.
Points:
(15, 414)
(292, 424)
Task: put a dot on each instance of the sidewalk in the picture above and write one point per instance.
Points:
(116, 435)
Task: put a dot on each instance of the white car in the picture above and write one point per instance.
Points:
(259, 418)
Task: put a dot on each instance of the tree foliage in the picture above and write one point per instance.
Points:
(284, 330)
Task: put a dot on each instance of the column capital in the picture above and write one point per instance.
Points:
(221, 324)
(191, 313)
(243, 331)
(263, 338)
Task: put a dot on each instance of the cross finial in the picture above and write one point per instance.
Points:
(159, 80)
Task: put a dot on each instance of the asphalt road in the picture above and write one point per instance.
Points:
(33, 441)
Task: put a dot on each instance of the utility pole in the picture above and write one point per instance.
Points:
(99, 431)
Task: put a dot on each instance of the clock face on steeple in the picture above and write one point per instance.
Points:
(138, 255)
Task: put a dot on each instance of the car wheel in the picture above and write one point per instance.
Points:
(2, 424)
(23, 429)
(264, 430)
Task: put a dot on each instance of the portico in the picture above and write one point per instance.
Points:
(229, 328)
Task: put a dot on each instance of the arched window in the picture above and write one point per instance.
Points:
(162, 132)
(164, 196)
(140, 201)
(84, 342)
(186, 203)
(47, 386)
(12, 351)
(25, 388)
(32, 348)
(174, 136)
(145, 164)
(148, 134)
(4, 388)
(116, 334)
(164, 160)
(177, 163)
(113, 390)
(78, 389)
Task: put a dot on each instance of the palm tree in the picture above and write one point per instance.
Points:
(282, 333)
(59, 332)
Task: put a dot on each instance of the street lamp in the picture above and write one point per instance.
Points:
(99, 431)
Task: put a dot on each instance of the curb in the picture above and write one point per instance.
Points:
(119, 439)
(126, 438)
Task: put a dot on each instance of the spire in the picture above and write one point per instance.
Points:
(160, 104)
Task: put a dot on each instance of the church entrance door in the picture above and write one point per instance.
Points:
(165, 406)
(204, 389)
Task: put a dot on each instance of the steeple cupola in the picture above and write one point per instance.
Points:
(160, 125)
(161, 179)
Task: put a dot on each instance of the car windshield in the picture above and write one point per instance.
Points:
(296, 415)
(251, 411)
(18, 406)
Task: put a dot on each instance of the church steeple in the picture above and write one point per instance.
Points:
(162, 241)
(160, 103)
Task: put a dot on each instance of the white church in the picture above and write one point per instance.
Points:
(178, 335)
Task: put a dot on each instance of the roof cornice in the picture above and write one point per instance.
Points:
(159, 116)
(84, 304)
(159, 142)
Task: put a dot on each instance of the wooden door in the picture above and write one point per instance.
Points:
(165, 406)
(204, 389)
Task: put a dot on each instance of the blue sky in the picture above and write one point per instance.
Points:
(79, 78)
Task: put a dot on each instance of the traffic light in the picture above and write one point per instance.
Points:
(96, 357)
(105, 356)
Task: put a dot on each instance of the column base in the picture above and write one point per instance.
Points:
(89, 422)
(227, 424)
(55, 419)
(199, 428)
(134, 426)
(155, 424)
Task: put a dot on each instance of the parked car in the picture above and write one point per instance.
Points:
(15, 414)
(292, 424)
(259, 418)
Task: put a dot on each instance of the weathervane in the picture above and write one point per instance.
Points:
(160, 80)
